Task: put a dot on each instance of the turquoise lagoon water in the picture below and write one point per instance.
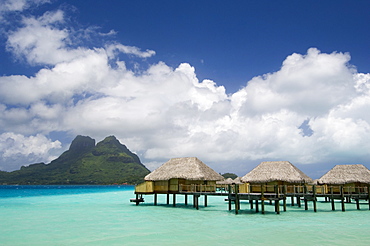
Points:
(103, 215)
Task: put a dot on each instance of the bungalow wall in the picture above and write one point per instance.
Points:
(269, 187)
(146, 187)
(347, 188)
(175, 185)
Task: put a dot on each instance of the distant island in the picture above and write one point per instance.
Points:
(108, 162)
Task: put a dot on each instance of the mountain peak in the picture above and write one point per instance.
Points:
(82, 144)
(107, 162)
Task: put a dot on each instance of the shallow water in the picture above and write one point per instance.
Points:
(103, 215)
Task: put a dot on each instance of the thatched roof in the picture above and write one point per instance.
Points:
(270, 171)
(230, 181)
(344, 174)
(237, 180)
(190, 168)
(226, 181)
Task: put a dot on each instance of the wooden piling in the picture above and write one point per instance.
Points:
(368, 195)
(277, 206)
(229, 200)
(174, 200)
(155, 199)
(168, 198)
(237, 203)
(332, 198)
(284, 197)
(186, 199)
(205, 201)
(342, 198)
(305, 198)
(314, 198)
(262, 199)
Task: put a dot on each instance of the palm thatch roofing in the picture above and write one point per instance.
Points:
(269, 171)
(226, 181)
(230, 181)
(344, 174)
(237, 180)
(190, 168)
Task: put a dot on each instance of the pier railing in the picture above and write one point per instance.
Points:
(197, 188)
(289, 190)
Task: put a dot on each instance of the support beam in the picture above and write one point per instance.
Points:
(284, 197)
(305, 198)
(342, 198)
(229, 196)
(332, 198)
(277, 206)
(262, 199)
(368, 195)
(174, 200)
(314, 198)
(137, 199)
(155, 199)
(237, 203)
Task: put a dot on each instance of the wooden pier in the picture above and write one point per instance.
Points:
(281, 193)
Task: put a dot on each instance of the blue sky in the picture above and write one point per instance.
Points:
(233, 83)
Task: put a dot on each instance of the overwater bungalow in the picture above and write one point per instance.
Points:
(180, 175)
(352, 178)
(272, 173)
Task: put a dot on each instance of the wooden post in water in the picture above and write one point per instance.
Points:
(251, 203)
(236, 198)
(342, 198)
(263, 199)
(277, 201)
(277, 206)
(332, 198)
(358, 203)
(305, 197)
(186, 199)
(174, 199)
(229, 196)
(168, 198)
(292, 197)
(155, 199)
(314, 198)
(284, 197)
(205, 201)
(197, 202)
(368, 195)
(256, 205)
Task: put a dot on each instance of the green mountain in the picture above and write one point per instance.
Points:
(107, 162)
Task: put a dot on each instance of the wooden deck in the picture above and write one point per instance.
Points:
(257, 199)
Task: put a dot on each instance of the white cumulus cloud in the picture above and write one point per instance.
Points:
(163, 112)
